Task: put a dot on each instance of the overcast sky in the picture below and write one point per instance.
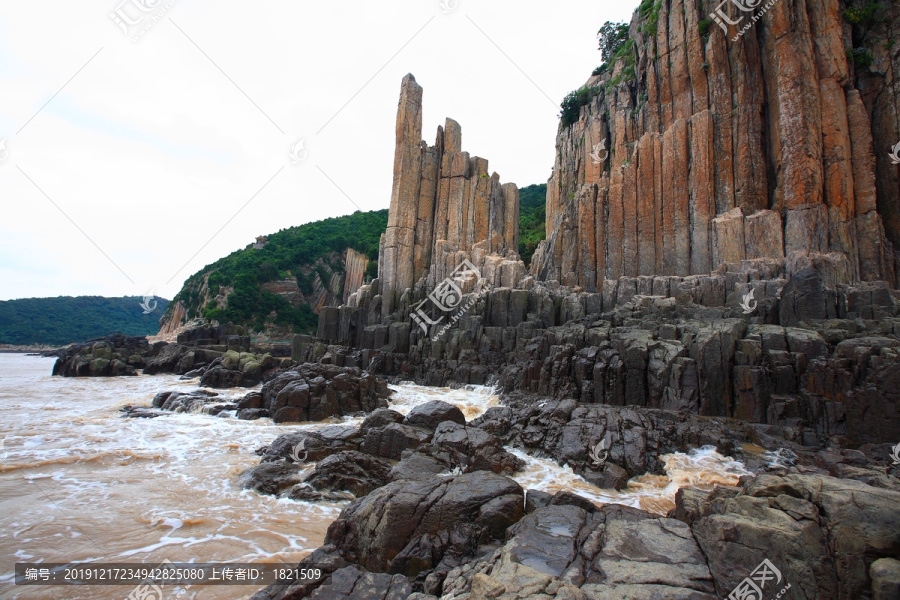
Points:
(134, 159)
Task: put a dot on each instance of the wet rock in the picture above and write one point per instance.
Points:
(349, 471)
(312, 445)
(271, 477)
(610, 476)
(566, 498)
(251, 400)
(354, 583)
(417, 465)
(568, 432)
(380, 418)
(326, 558)
(141, 412)
(475, 448)
(535, 499)
(195, 401)
(391, 440)
(313, 392)
(417, 527)
(431, 414)
(251, 414)
(221, 377)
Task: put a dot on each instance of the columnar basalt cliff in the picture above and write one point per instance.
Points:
(355, 264)
(444, 205)
(724, 148)
(676, 266)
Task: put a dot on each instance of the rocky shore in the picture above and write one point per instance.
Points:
(436, 514)
(220, 355)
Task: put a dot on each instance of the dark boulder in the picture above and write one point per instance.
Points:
(349, 471)
(271, 477)
(316, 445)
(380, 418)
(220, 377)
(391, 440)
(251, 414)
(431, 414)
(476, 449)
(313, 392)
(418, 465)
(421, 527)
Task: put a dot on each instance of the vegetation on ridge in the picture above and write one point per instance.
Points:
(286, 254)
(532, 215)
(67, 320)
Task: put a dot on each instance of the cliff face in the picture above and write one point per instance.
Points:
(443, 205)
(727, 148)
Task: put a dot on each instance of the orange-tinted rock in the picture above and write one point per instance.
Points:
(444, 208)
(768, 122)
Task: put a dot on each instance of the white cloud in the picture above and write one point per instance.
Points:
(154, 145)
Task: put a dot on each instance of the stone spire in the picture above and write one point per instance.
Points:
(444, 204)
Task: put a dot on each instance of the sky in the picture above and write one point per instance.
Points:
(141, 140)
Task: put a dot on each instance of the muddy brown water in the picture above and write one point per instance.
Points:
(79, 483)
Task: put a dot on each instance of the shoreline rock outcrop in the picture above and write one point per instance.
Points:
(427, 532)
(219, 355)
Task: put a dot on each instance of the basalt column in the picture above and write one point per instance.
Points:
(444, 205)
(697, 148)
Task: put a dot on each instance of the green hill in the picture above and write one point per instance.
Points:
(277, 289)
(66, 320)
(532, 210)
(232, 288)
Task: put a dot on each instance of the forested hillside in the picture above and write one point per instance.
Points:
(281, 284)
(532, 208)
(65, 320)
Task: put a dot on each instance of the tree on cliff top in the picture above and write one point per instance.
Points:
(611, 37)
